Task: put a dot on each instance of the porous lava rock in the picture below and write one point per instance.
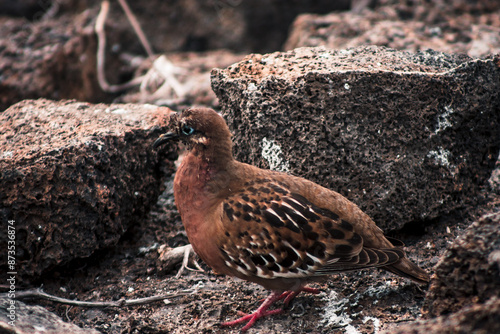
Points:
(469, 271)
(53, 59)
(75, 176)
(477, 319)
(406, 136)
(390, 28)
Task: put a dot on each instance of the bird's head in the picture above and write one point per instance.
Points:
(200, 128)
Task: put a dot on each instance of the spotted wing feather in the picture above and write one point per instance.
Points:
(271, 232)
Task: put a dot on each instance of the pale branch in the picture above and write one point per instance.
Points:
(40, 294)
(162, 69)
(137, 28)
(166, 70)
(173, 256)
(101, 58)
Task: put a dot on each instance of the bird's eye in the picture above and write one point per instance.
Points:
(187, 130)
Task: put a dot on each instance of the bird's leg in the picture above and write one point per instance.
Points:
(261, 312)
(288, 296)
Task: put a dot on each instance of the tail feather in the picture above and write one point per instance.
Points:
(408, 269)
(405, 267)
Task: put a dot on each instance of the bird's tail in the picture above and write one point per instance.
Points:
(408, 269)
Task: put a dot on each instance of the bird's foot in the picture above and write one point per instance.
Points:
(288, 296)
(263, 311)
(251, 318)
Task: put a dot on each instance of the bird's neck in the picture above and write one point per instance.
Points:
(216, 154)
(203, 173)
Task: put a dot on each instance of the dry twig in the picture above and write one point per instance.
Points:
(162, 74)
(40, 294)
(137, 28)
(159, 83)
(173, 256)
(101, 51)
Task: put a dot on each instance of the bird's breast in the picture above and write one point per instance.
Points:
(195, 203)
(190, 188)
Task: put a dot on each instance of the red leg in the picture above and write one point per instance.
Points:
(290, 295)
(259, 313)
(263, 311)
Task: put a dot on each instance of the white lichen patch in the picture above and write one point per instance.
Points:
(442, 157)
(252, 91)
(273, 155)
(267, 61)
(350, 329)
(444, 119)
(325, 55)
(94, 144)
(345, 52)
(335, 313)
(380, 291)
(149, 106)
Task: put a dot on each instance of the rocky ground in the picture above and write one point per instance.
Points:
(85, 190)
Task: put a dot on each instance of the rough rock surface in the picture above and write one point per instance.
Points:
(405, 136)
(75, 177)
(35, 320)
(51, 58)
(477, 319)
(469, 271)
(458, 27)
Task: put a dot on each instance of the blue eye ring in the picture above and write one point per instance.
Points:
(187, 130)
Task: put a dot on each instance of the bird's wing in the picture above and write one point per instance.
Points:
(271, 232)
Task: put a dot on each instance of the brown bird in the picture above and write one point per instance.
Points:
(267, 227)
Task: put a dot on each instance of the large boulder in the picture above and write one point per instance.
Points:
(74, 177)
(406, 136)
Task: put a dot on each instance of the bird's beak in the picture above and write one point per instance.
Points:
(165, 138)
